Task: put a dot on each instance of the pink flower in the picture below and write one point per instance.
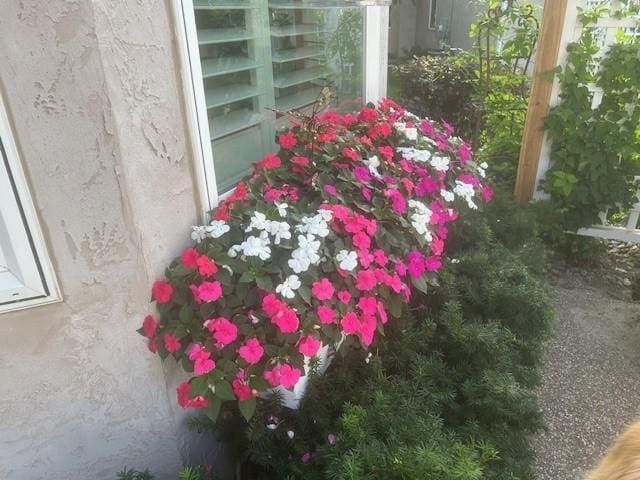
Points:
(287, 141)
(269, 161)
(366, 193)
(362, 241)
(306, 457)
(152, 345)
(427, 128)
(330, 189)
(331, 439)
(162, 291)
(365, 280)
(361, 174)
(271, 305)
(365, 258)
(309, 346)
(350, 323)
(286, 320)
(223, 330)
(464, 153)
(380, 257)
(203, 365)
(171, 342)
(398, 203)
(284, 375)
(207, 291)
(323, 290)
(325, 314)
(401, 268)
(149, 326)
(289, 376)
(368, 329)
(416, 264)
(189, 258)
(241, 390)
(433, 264)
(426, 186)
(436, 245)
(344, 296)
(251, 351)
(368, 305)
(487, 194)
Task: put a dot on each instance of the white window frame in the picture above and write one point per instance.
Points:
(376, 33)
(433, 15)
(27, 277)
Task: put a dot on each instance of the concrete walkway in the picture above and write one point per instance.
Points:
(591, 387)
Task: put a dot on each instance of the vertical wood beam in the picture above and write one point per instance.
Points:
(553, 21)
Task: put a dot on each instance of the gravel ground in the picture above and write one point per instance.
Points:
(591, 387)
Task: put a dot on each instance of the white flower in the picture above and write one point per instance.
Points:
(228, 268)
(305, 255)
(420, 219)
(315, 225)
(198, 233)
(282, 209)
(257, 246)
(348, 260)
(290, 434)
(288, 287)
(465, 191)
(440, 163)
(484, 165)
(272, 426)
(299, 263)
(279, 230)
(217, 228)
(415, 155)
(325, 214)
(410, 133)
(447, 195)
(234, 250)
(259, 221)
(373, 163)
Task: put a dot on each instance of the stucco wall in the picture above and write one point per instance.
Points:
(95, 102)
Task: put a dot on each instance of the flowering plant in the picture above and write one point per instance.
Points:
(320, 246)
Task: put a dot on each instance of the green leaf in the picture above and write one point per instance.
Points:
(264, 282)
(224, 391)
(213, 410)
(420, 283)
(247, 408)
(247, 277)
(186, 314)
(198, 385)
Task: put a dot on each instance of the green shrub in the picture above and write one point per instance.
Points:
(440, 87)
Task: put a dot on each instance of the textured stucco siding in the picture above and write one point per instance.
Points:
(95, 102)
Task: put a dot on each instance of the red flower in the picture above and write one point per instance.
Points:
(367, 115)
(149, 326)
(350, 153)
(162, 291)
(287, 141)
(189, 258)
(241, 390)
(171, 342)
(206, 267)
(270, 161)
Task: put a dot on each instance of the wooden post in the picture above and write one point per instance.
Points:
(553, 20)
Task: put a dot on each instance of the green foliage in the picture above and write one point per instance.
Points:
(596, 151)
(187, 473)
(440, 87)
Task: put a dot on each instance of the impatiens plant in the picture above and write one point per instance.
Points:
(315, 251)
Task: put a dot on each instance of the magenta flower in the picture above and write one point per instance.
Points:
(344, 296)
(362, 241)
(326, 314)
(433, 264)
(309, 346)
(323, 290)
(366, 280)
(464, 153)
(251, 352)
(361, 174)
(330, 189)
(416, 266)
(207, 291)
(223, 330)
(368, 305)
(286, 320)
(241, 390)
(350, 323)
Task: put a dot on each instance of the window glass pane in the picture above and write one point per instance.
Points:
(260, 59)
(432, 13)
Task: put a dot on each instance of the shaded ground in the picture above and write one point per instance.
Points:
(591, 387)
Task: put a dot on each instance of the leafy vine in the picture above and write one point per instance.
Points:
(596, 146)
